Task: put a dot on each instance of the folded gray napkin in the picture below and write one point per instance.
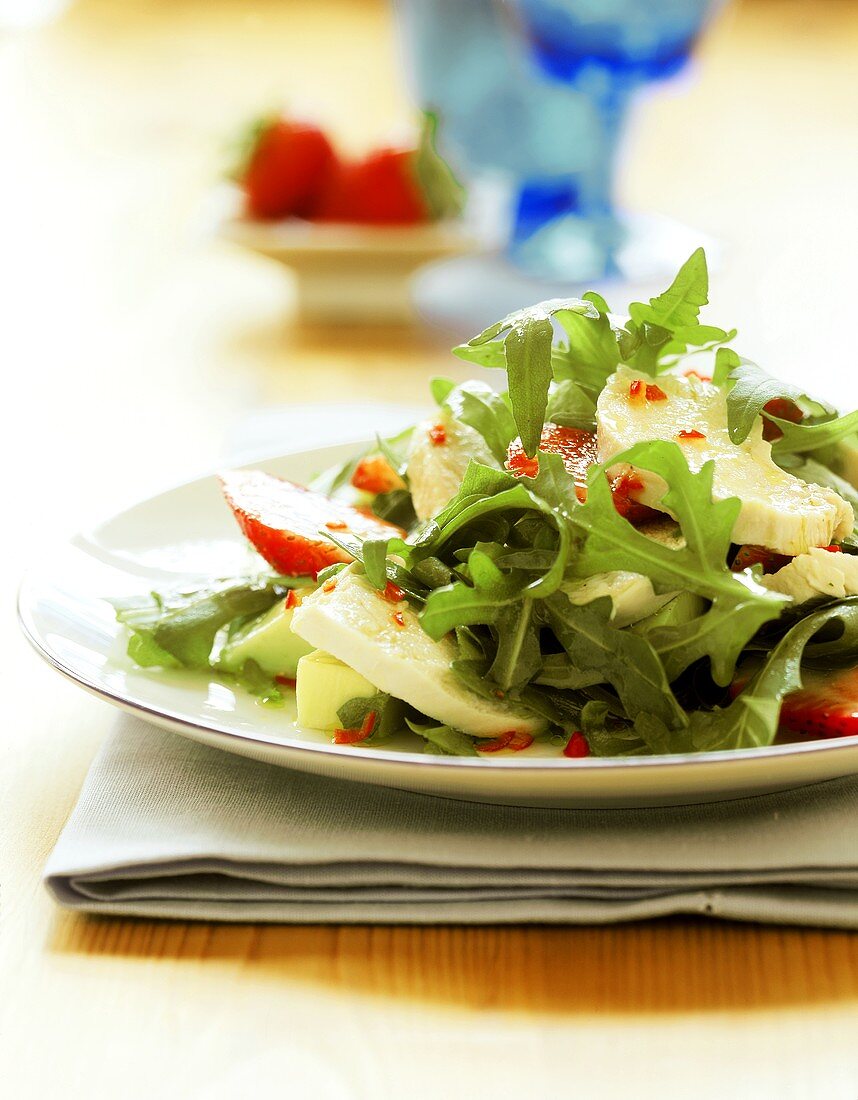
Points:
(168, 828)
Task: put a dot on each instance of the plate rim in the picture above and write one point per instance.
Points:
(24, 610)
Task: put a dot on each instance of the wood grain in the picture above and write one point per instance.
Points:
(132, 344)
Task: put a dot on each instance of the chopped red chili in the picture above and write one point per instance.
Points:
(520, 741)
(287, 681)
(690, 433)
(832, 549)
(336, 525)
(497, 744)
(330, 585)
(437, 435)
(649, 391)
(746, 556)
(351, 737)
(393, 592)
(697, 374)
(577, 746)
(292, 599)
(398, 618)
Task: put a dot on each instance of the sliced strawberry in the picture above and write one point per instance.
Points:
(746, 556)
(374, 474)
(826, 706)
(284, 521)
(577, 448)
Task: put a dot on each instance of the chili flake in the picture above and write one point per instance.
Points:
(437, 435)
(577, 746)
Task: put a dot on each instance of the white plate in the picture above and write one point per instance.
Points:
(187, 534)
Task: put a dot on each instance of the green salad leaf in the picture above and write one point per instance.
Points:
(526, 354)
(443, 740)
(604, 654)
(752, 389)
(805, 436)
(740, 605)
(751, 720)
(178, 629)
(481, 408)
(387, 711)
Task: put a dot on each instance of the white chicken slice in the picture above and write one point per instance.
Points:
(385, 643)
(817, 573)
(779, 511)
(437, 459)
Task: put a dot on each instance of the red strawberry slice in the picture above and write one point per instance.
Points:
(826, 706)
(577, 448)
(374, 474)
(284, 521)
(747, 555)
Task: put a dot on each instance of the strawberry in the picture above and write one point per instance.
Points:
(577, 448)
(784, 409)
(381, 189)
(285, 521)
(746, 556)
(286, 165)
(826, 706)
(374, 474)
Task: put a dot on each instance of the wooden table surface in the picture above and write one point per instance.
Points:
(131, 345)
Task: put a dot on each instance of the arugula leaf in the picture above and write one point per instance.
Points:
(375, 561)
(571, 406)
(590, 354)
(626, 661)
(518, 658)
(446, 740)
(707, 526)
(725, 361)
(529, 374)
(395, 506)
(259, 683)
(481, 408)
(526, 353)
(680, 304)
(184, 624)
(752, 718)
(752, 390)
(389, 715)
(660, 332)
(803, 437)
(740, 605)
(395, 449)
(720, 633)
(462, 604)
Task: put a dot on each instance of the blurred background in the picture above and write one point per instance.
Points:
(140, 345)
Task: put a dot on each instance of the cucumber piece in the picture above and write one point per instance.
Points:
(325, 684)
(269, 641)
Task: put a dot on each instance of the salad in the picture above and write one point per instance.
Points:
(645, 544)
